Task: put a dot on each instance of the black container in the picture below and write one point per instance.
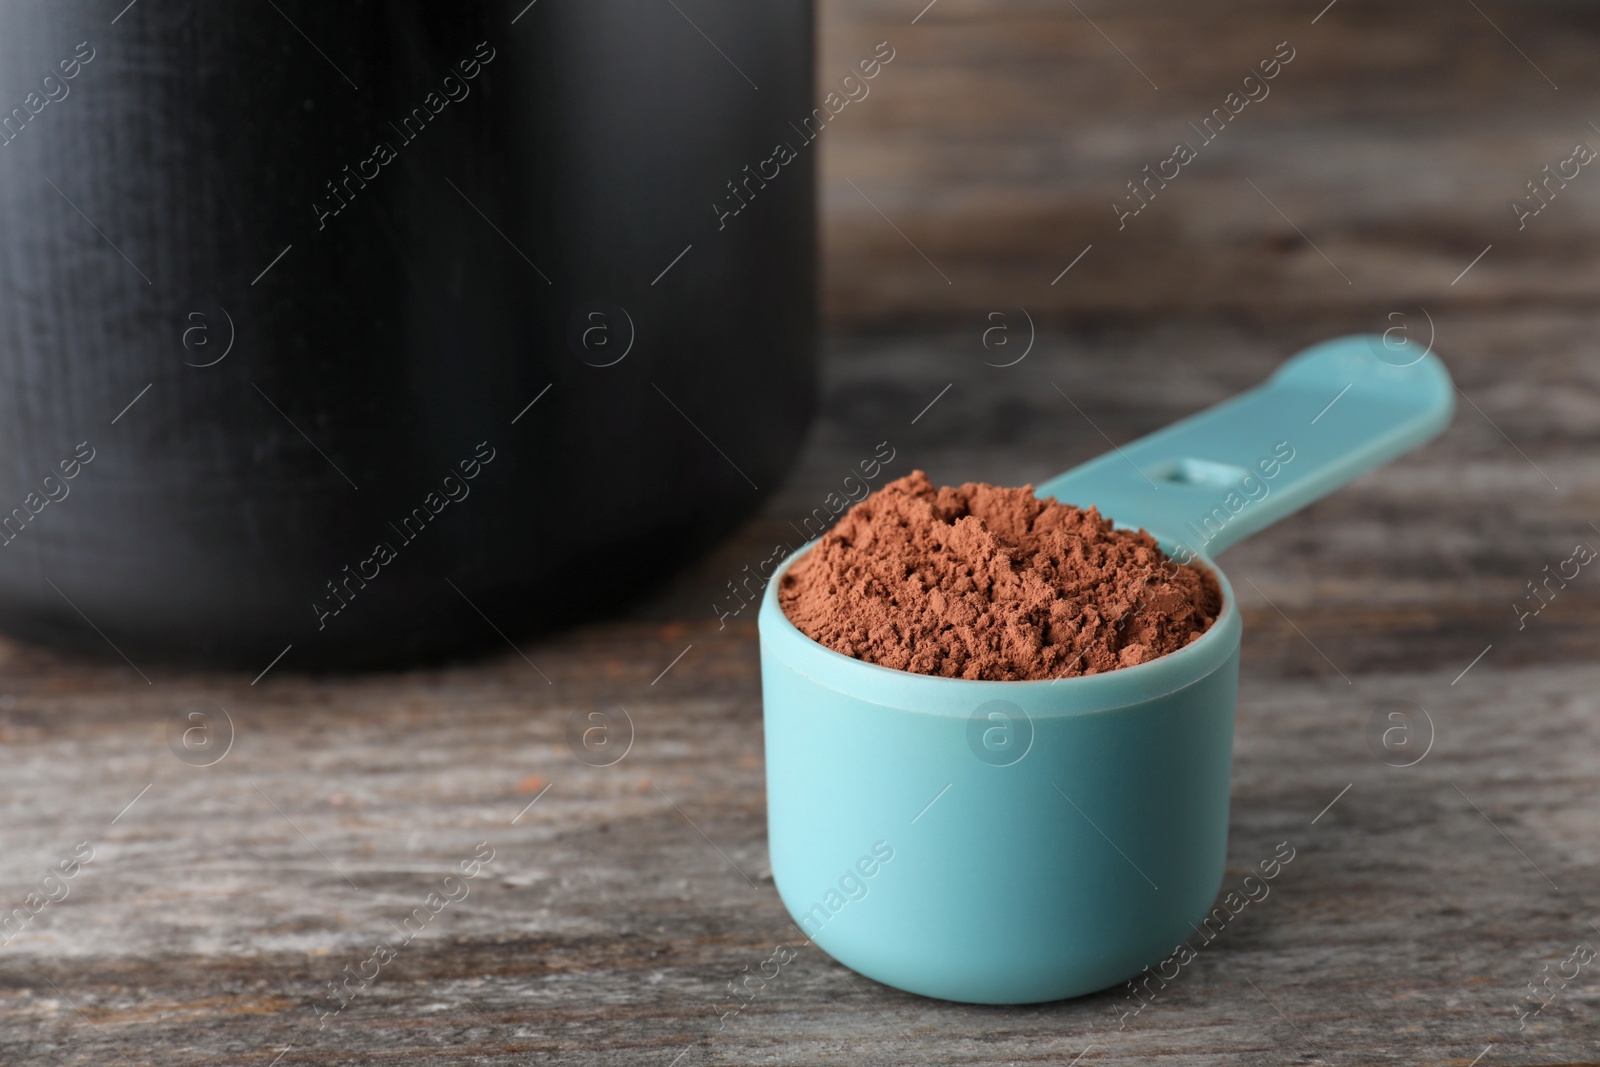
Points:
(280, 282)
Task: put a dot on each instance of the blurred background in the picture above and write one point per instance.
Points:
(1003, 133)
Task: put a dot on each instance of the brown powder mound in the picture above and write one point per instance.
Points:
(987, 583)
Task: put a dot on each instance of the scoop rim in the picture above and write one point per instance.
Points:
(1080, 694)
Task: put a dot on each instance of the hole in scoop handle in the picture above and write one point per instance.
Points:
(1332, 412)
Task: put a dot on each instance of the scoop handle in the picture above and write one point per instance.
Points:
(1332, 412)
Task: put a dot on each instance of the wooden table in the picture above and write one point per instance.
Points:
(621, 901)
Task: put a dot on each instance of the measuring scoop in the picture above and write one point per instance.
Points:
(1013, 842)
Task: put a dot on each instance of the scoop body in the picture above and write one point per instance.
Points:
(1012, 842)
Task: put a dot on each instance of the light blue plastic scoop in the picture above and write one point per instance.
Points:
(1010, 842)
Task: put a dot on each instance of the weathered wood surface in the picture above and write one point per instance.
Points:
(620, 905)
(617, 909)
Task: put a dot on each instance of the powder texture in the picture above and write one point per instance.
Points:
(981, 582)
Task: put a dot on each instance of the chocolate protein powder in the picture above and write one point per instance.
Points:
(981, 582)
